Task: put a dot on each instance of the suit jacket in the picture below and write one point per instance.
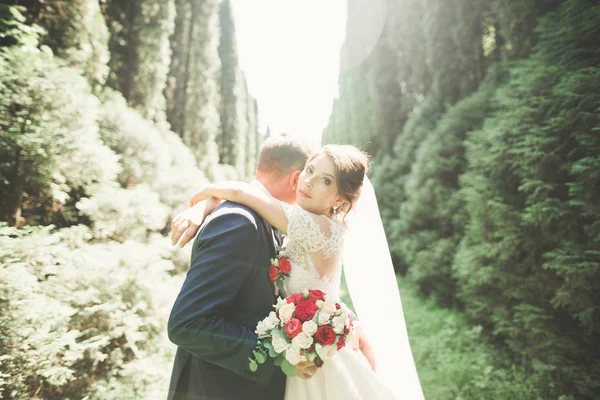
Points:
(225, 293)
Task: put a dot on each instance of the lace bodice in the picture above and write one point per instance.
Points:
(314, 252)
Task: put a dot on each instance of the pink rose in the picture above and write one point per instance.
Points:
(293, 327)
(315, 294)
(294, 298)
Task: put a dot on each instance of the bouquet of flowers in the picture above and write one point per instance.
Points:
(305, 326)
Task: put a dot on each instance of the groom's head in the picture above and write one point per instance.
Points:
(280, 160)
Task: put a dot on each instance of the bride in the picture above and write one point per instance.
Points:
(336, 221)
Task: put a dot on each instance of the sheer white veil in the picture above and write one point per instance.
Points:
(373, 288)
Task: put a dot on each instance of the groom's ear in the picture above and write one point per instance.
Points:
(294, 179)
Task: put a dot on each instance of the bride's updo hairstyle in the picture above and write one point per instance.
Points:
(351, 166)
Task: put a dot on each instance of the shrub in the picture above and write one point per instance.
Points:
(76, 317)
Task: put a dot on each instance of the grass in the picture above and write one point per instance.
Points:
(452, 357)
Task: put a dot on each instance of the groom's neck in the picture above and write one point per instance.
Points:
(275, 188)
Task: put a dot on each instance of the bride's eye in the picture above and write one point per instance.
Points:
(309, 170)
(327, 181)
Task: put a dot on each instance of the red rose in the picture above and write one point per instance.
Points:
(337, 306)
(314, 295)
(325, 335)
(318, 362)
(341, 342)
(293, 327)
(273, 273)
(284, 265)
(294, 298)
(305, 310)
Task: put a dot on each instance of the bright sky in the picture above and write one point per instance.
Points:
(289, 51)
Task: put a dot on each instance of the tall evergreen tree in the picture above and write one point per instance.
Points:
(193, 90)
(178, 76)
(140, 52)
(232, 95)
(202, 121)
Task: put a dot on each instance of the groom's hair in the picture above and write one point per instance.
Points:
(281, 154)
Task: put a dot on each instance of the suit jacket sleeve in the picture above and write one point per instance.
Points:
(223, 257)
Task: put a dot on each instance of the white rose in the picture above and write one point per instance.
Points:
(324, 318)
(280, 344)
(260, 328)
(286, 312)
(338, 324)
(309, 327)
(326, 351)
(280, 303)
(271, 321)
(328, 307)
(293, 355)
(302, 341)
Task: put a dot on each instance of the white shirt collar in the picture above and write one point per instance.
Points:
(258, 184)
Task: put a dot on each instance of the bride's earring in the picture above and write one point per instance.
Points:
(335, 209)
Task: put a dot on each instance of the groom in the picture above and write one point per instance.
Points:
(227, 291)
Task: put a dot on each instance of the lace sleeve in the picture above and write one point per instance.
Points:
(313, 236)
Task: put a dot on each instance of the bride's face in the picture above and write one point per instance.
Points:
(317, 189)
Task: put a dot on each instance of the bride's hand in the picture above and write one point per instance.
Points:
(306, 369)
(186, 224)
(365, 347)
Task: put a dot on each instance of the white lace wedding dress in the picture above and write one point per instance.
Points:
(347, 375)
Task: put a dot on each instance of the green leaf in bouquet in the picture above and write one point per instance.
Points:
(315, 318)
(265, 336)
(287, 368)
(267, 345)
(253, 365)
(273, 353)
(260, 356)
(278, 360)
(281, 287)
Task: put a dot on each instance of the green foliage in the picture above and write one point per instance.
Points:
(80, 316)
(77, 318)
(140, 52)
(148, 153)
(432, 217)
(390, 179)
(193, 90)
(50, 147)
(14, 29)
(76, 32)
(528, 265)
(120, 214)
(453, 359)
(490, 199)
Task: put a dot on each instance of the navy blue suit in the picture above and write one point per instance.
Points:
(225, 293)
